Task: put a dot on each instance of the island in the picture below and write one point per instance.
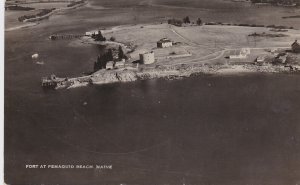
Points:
(179, 49)
(29, 12)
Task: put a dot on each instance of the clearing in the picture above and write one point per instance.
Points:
(198, 44)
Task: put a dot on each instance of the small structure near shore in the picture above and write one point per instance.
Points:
(240, 55)
(115, 64)
(296, 47)
(164, 43)
(147, 58)
(50, 82)
(110, 65)
(281, 58)
(120, 64)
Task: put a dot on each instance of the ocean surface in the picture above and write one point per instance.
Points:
(242, 129)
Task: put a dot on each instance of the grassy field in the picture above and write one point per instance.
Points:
(208, 44)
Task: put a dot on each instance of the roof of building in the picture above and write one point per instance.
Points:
(295, 43)
(164, 40)
(283, 57)
(110, 63)
(148, 52)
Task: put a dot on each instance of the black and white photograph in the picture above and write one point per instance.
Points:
(151, 92)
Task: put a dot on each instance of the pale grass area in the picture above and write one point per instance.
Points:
(230, 37)
(205, 43)
(145, 38)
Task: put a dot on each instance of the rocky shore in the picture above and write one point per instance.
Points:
(168, 72)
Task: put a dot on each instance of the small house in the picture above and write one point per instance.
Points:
(88, 34)
(283, 59)
(242, 54)
(164, 43)
(260, 60)
(120, 64)
(296, 47)
(110, 65)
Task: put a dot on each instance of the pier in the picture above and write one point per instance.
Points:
(65, 36)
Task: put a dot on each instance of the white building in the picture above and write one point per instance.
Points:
(240, 55)
(110, 65)
(90, 33)
(120, 64)
(261, 58)
(147, 58)
(164, 43)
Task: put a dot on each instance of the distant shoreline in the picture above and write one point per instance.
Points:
(46, 16)
(39, 18)
(103, 76)
(291, 17)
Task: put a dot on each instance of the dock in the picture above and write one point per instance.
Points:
(65, 36)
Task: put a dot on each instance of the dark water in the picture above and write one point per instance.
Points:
(218, 130)
(201, 130)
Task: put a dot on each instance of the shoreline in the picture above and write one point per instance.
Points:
(103, 76)
(39, 18)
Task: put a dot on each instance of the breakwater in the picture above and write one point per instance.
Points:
(65, 36)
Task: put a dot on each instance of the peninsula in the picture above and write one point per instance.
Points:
(183, 49)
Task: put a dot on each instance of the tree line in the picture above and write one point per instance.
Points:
(110, 55)
(185, 20)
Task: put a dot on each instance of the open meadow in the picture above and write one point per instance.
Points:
(206, 43)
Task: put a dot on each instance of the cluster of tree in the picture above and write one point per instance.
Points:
(175, 22)
(121, 54)
(109, 55)
(98, 36)
(185, 20)
(112, 39)
(103, 59)
(199, 21)
(40, 14)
